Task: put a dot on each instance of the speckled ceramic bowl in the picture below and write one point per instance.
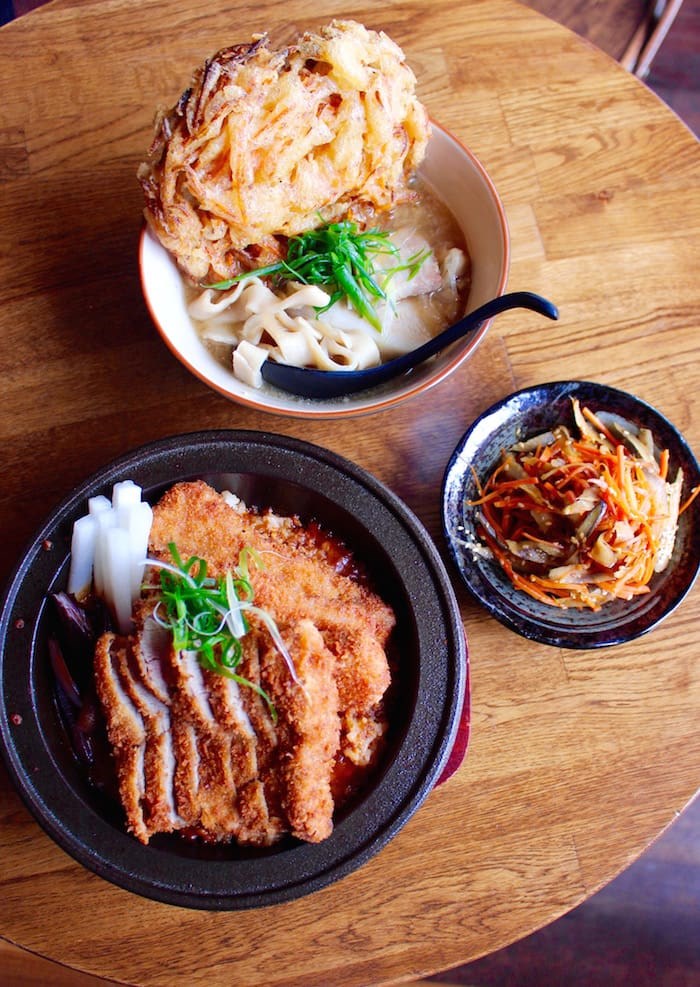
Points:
(529, 412)
(463, 184)
(291, 477)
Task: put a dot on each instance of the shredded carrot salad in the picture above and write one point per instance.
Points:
(578, 518)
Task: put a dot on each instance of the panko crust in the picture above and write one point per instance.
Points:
(267, 144)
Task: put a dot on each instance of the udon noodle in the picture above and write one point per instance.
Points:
(254, 321)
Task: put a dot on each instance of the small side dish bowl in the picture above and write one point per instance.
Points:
(527, 413)
(462, 183)
(291, 477)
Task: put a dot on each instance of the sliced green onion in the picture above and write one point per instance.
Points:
(339, 257)
(234, 617)
(208, 616)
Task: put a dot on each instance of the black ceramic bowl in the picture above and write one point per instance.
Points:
(291, 477)
(527, 413)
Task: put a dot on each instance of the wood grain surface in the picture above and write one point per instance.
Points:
(578, 759)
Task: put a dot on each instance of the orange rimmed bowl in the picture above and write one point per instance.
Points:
(461, 181)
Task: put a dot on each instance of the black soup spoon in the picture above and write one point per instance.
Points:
(310, 383)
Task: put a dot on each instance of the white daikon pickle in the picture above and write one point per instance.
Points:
(82, 556)
(117, 563)
(136, 520)
(109, 549)
(105, 520)
(99, 504)
(126, 493)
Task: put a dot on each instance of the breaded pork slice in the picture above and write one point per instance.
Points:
(298, 580)
(309, 729)
(126, 731)
(197, 519)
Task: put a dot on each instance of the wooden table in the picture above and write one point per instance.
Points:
(578, 759)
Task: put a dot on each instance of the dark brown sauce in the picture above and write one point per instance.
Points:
(347, 780)
(336, 553)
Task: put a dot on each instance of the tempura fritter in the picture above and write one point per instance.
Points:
(267, 144)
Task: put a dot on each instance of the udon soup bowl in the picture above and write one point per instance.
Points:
(459, 179)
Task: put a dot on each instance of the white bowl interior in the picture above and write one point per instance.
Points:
(461, 182)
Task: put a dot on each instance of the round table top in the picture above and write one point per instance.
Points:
(578, 759)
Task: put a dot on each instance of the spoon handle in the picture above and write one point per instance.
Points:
(328, 384)
(472, 322)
